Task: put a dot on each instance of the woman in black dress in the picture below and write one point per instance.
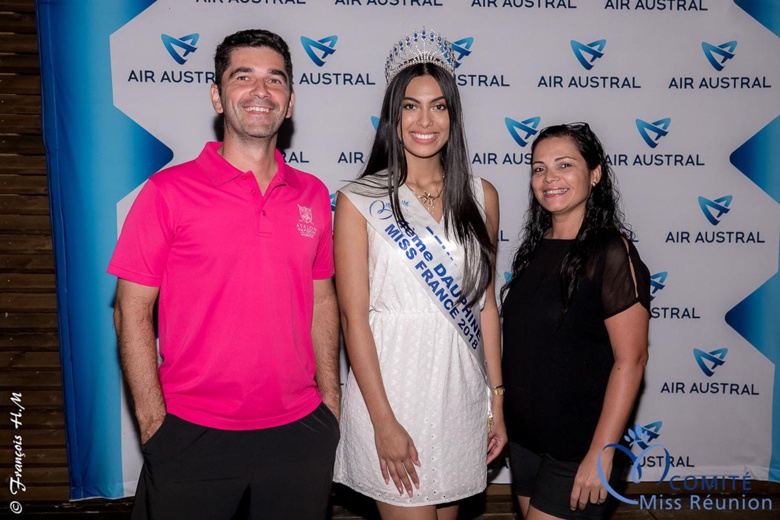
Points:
(576, 315)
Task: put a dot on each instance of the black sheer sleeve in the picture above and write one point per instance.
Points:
(626, 278)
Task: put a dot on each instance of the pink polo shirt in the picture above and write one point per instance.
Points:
(235, 269)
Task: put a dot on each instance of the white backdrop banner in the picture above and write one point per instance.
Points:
(685, 97)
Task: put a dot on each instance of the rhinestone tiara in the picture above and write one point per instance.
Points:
(423, 46)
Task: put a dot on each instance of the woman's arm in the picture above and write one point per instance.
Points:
(628, 336)
(395, 448)
(491, 332)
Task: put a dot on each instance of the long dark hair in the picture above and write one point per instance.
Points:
(461, 211)
(603, 218)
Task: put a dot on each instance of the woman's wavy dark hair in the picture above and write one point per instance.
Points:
(461, 213)
(603, 218)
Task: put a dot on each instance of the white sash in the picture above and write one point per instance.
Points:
(434, 260)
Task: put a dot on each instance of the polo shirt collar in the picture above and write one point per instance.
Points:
(221, 171)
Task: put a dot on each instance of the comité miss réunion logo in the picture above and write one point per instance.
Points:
(641, 437)
(319, 50)
(180, 48)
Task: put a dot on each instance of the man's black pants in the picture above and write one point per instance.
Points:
(194, 472)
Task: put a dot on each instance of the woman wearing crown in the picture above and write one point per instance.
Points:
(415, 254)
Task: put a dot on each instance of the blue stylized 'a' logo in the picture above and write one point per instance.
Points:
(719, 205)
(333, 202)
(709, 361)
(461, 49)
(326, 46)
(657, 283)
(375, 122)
(527, 126)
(185, 46)
(593, 50)
(658, 128)
(643, 436)
(720, 54)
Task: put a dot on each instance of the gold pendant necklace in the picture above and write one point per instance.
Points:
(429, 199)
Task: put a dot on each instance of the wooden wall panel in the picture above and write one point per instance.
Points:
(20, 84)
(28, 263)
(17, 22)
(20, 104)
(22, 164)
(29, 353)
(21, 123)
(23, 184)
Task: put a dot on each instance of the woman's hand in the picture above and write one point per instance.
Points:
(587, 484)
(397, 456)
(497, 436)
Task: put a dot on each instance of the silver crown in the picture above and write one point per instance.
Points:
(422, 46)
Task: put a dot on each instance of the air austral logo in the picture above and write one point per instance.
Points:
(521, 132)
(390, 4)
(319, 50)
(643, 436)
(669, 6)
(522, 4)
(665, 311)
(658, 129)
(461, 49)
(720, 54)
(528, 127)
(180, 48)
(652, 133)
(657, 282)
(715, 209)
(710, 361)
(587, 54)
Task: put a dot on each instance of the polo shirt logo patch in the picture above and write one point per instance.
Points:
(305, 227)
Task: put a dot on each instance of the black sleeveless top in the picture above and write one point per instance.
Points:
(556, 367)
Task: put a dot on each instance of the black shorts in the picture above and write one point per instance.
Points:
(548, 482)
(194, 472)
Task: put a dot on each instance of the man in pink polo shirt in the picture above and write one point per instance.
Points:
(242, 412)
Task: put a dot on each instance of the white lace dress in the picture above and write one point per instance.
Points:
(434, 386)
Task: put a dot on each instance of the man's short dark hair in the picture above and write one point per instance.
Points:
(251, 38)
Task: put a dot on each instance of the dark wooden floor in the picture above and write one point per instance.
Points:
(497, 505)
